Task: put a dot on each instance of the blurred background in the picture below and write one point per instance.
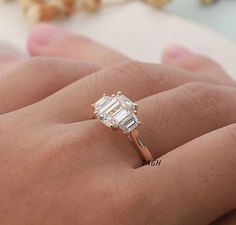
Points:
(220, 16)
(141, 31)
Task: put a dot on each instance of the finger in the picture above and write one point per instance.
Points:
(182, 57)
(35, 79)
(135, 80)
(228, 219)
(199, 177)
(181, 113)
(172, 118)
(47, 40)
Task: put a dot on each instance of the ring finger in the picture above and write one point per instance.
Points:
(170, 119)
(136, 80)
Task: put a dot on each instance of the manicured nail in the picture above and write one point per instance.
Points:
(45, 34)
(175, 52)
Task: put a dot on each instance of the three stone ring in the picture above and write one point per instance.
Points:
(119, 112)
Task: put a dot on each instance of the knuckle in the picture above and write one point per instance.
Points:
(200, 88)
(130, 68)
(129, 63)
(201, 97)
(148, 75)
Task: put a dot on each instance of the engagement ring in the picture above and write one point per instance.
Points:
(119, 112)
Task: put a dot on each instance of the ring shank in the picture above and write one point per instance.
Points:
(139, 144)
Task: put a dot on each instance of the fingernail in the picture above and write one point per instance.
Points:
(45, 34)
(175, 52)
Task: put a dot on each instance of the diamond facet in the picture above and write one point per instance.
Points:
(130, 124)
(102, 101)
(117, 111)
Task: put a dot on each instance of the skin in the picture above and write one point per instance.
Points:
(52, 173)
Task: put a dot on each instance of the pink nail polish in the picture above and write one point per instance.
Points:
(44, 34)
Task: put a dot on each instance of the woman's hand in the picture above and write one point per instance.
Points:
(53, 172)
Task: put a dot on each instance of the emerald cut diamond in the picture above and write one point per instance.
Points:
(117, 111)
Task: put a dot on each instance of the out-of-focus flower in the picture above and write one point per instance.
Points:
(47, 10)
(157, 3)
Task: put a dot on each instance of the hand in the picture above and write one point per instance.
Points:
(83, 49)
(52, 173)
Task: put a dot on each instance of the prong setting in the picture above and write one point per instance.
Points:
(117, 111)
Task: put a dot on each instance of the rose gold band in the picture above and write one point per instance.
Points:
(119, 112)
(139, 144)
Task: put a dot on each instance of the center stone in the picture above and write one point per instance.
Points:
(117, 111)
